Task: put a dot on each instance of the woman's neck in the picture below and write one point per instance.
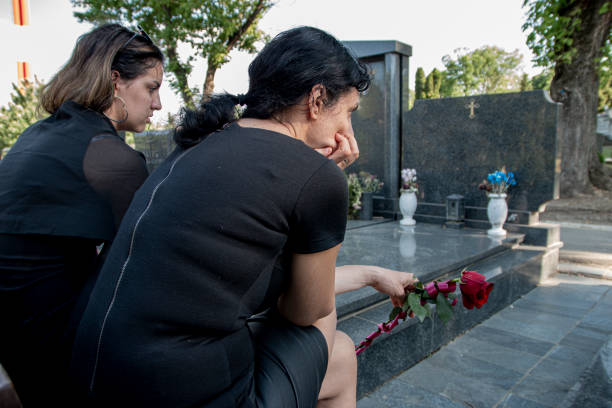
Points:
(275, 125)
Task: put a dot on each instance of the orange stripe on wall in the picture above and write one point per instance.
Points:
(21, 12)
(17, 12)
(23, 70)
(25, 12)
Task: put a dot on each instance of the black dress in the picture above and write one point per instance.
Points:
(206, 244)
(64, 187)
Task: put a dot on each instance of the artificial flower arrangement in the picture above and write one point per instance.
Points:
(409, 181)
(369, 182)
(474, 290)
(498, 182)
(358, 184)
(354, 196)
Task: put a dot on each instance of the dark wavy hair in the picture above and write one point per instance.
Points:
(87, 76)
(285, 71)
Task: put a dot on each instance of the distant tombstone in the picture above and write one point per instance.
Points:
(378, 122)
(453, 143)
(156, 145)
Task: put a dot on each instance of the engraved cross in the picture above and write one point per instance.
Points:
(471, 106)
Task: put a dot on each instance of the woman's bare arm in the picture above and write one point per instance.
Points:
(310, 295)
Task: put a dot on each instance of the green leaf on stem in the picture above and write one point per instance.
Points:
(394, 312)
(444, 308)
(415, 304)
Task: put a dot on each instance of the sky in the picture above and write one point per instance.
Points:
(433, 28)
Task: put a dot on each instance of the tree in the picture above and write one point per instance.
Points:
(21, 111)
(605, 90)
(488, 69)
(525, 84)
(212, 27)
(574, 37)
(542, 80)
(419, 84)
(432, 84)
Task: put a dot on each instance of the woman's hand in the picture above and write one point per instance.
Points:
(387, 281)
(345, 152)
(394, 284)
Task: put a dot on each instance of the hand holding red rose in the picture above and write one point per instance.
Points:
(474, 289)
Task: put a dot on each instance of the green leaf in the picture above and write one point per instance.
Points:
(445, 313)
(415, 305)
(394, 312)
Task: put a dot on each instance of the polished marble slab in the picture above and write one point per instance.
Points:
(427, 250)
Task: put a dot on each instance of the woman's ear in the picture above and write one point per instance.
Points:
(316, 101)
(115, 77)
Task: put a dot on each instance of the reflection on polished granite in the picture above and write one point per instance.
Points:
(419, 249)
(427, 250)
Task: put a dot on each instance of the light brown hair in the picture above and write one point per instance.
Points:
(87, 76)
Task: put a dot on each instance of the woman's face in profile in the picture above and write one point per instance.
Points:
(141, 96)
(334, 120)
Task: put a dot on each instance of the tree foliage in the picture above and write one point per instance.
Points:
(525, 83)
(419, 84)
(542, 80)
(21, 111)
(432, 84)
(554, 30)
(213, 28)
(486, 70)
(574, 37)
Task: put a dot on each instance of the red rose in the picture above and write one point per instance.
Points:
(474, 289)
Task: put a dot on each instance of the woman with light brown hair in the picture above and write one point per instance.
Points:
(64, 188)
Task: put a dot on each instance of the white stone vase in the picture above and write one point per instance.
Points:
(408, 205)
(497, 211)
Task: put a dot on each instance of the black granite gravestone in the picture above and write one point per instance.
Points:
(453, 143)
(156, 146)
(377, 123)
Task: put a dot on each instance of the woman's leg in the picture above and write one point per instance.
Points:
(339, 388)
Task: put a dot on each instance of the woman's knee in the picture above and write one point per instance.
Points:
(344, 353)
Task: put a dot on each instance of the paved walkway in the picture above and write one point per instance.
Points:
(529, 355)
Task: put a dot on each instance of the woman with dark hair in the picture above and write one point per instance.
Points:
(64, 188)
(245, 216)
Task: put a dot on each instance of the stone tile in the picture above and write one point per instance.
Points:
(427, 376)
(527, 303)
(537, 317)
(543, 331)
(400, 394)
(600, 318)
(561, 372)
(453, 386)
(511, 340)
(566, 298)
(583, 339)
(482, 349)
(547, 392)
(367, 402)
(590, 331)
(478, 370)
(514, 401)
(593, 401)
(580, 358)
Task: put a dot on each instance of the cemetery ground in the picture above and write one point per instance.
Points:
(551, 347)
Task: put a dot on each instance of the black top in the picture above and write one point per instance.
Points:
(68, 175)
(206, 243)
(64, 187)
